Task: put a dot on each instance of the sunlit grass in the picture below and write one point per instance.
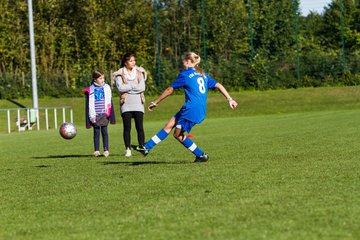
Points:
(291, 174)
(250, 103)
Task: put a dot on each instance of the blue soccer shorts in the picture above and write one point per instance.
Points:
(182, 123)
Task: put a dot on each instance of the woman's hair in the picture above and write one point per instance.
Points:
(195, 59)
(126, 58)
(96, 74)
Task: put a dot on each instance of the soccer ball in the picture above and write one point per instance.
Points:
(68, 130)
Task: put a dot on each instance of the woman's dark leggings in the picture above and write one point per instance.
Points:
(138, 116)
(105, 138)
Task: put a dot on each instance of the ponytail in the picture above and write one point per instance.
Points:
(195, 59)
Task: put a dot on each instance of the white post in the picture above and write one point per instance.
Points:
(71, 115)
(32, 56)
(19, 120)
(8, 118)
(64, 117)
(55, 118)
(46, 119)
(28, 118)
(37, 119)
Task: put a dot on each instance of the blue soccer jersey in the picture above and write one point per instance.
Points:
(195, 87)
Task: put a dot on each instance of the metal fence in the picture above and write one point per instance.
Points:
(28, 118)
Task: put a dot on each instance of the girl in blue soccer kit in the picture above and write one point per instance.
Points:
(195, 83)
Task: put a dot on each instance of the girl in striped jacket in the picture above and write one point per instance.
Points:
(99, 111)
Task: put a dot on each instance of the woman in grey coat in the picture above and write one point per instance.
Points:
(130, 81)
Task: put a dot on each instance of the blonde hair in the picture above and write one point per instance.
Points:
(195, 59)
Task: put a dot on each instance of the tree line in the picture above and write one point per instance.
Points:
(248, 44)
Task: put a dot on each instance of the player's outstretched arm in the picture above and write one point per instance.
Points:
(232, 103)
(167, 92)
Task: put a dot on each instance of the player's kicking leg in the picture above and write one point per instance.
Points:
(156, 139)
(179, 134)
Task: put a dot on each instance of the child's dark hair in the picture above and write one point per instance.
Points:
(126, 58)
(96, 74)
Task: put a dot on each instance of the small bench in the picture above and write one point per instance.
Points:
(23, 122)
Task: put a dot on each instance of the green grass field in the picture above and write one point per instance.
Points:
(284, 165)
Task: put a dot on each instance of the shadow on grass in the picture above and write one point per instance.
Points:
(42, 166)
(66, 156)
(131, 163)
(137, 163)
(16, 103)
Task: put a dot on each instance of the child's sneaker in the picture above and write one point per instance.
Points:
(128, 153)
(106, 153)
(96, 153)
(203, 158)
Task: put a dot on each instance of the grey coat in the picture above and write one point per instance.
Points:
(131, 91)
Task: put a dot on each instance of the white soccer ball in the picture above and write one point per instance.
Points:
(68, 130)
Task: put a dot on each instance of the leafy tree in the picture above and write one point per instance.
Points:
(75, 37)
